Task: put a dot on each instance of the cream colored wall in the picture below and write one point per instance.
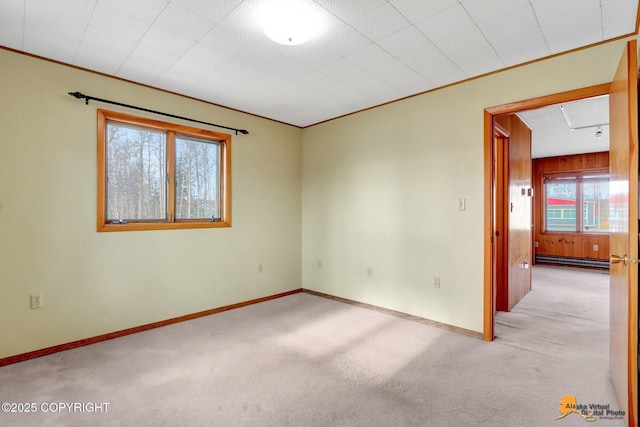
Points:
(380, 190)
(95, 283)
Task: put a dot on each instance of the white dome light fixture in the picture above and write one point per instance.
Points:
(290, 22)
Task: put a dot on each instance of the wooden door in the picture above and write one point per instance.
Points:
(501, 177)
(519, 247)
(623, 107)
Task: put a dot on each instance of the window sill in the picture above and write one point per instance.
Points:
(142, 226)
(574, 233)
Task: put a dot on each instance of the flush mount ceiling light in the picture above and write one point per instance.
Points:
(290, 22)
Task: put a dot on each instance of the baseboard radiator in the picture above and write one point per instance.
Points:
(575, 262)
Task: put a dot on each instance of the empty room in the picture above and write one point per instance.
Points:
(267, 213)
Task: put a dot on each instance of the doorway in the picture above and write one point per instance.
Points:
(494, 169)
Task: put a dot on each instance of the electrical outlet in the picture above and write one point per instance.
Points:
(259, 268)
(370, 272)
(436, 282)
(462, 204)
(36, 301)
(595, 248)
(535, 244)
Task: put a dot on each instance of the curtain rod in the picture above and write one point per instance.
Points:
(88, 98)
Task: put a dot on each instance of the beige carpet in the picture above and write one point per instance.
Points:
(304, 360)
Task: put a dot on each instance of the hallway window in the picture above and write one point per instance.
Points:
(563, 194)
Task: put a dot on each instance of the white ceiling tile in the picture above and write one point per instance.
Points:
(378, 90)
(416, 11)
(146, 64)
(576, 31)
(348, 10)
(588, 112)
(311, 54)
(213, 10)
(167, 41)
(521, 47)
(551, 135)
(104, 55)
(489, 10)
(511, 28)
(370, 57)
(414, 50)
(341, 38)
(569, 23)
(184, 22)
(312, 80)
(457, 36)
(380, 22)
(238, 31)
(147, 10)
(183, 74)
(52, 26)
(340, 69)
(107, 20)
(11, 23)
(399, 76)
(618, 17)
(206, 55)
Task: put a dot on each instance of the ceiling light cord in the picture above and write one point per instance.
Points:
(88, 98)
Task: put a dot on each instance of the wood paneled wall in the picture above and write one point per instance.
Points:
(576, 245)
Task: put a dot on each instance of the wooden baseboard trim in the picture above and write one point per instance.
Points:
(400, 314)
(111, 335)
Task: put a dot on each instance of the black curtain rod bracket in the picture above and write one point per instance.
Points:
(88, 98)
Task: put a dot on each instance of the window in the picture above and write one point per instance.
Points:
(155, 175)
(563, 193)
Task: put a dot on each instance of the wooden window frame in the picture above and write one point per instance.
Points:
(579, 175)
(170, 222)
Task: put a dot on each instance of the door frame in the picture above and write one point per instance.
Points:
(489, 190)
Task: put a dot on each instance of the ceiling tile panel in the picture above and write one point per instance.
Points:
(183, 74)
(312, 80)
(312, 54)
(511, 28)
(213, 10)
(147, 10)
(340, 69)
(416, 11)
(167, 41)
(378, 89)
(146, 64)
(551, 135)
(184, 22)
(265, 79)
(107, 21)
(266, 56)
(380, 22)
(342, 38)
(56, 27)
(569, 23)
(347, 11)
(413, 49)
(238, 31)
(521, 47)
(458, 37)
(205, 55)
(104, 55)
(616, 17)
(11, 23)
